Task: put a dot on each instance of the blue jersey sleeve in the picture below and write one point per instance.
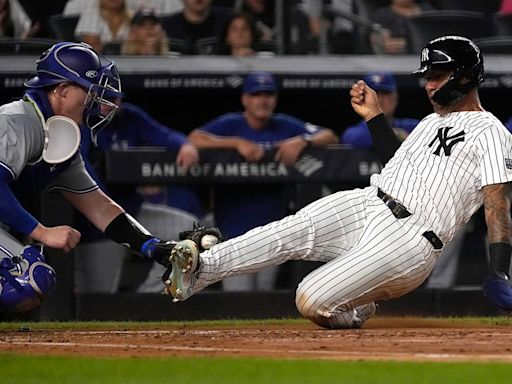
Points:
(357, 136)
(85, 149)
(11, 212)
(225, 125)
(508, 124)
(152, 132)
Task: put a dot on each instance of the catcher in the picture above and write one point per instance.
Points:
(39, 151)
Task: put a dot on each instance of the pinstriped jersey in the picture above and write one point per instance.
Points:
(439, 170)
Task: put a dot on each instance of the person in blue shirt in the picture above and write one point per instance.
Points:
(132, 127)
(384, 84)
(238, 208)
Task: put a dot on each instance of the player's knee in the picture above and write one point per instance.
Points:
(325, 314)
(312, 309)
(25, 281)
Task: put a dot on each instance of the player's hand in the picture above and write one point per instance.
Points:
(364, 100)
(250, 151)
(187, 156)
(61, 237)
(289, 150)
(498, 290)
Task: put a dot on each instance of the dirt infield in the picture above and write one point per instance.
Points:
(381, 339)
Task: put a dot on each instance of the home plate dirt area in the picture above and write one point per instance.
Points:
(405, 339)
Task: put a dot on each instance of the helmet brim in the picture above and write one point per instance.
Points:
(37, 82)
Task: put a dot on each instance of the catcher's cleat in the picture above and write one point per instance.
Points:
(184, 260)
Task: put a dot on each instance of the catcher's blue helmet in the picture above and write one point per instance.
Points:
(78, 63)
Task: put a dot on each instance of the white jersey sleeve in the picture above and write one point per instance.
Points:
(494, 145)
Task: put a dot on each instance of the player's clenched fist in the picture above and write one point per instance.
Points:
(61, 237)
(364, 100)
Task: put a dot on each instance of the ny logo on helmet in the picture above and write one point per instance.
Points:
(424, 54)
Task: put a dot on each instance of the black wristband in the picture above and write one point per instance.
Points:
(384, 139)
(125, 230)
(499, 258)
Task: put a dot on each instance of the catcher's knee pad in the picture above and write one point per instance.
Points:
(25, 280)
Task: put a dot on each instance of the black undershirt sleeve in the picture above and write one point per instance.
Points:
(384, 139)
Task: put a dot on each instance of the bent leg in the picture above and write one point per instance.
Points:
(391, 259)
(321, 231)
(25, 278)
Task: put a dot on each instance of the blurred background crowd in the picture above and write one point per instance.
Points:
(252, 27)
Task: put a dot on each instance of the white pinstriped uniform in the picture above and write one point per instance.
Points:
(369, 253)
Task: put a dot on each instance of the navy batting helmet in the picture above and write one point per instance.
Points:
(78, 63)
(458, 54)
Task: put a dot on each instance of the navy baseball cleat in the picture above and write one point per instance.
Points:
(184, 260)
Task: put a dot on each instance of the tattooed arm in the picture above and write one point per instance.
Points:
(497, 198)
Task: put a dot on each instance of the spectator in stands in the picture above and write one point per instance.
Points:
(238, 208)
(240, 36)
(340, 32)
(198, 28)
(393, 19)
(263, 13)
(384, 84)
(102, 22)
(160, 7)
(145, 36)
(131, 127)
(14, 21)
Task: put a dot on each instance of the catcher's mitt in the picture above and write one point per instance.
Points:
(197, 235)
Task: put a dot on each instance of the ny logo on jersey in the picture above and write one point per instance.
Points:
(446, 142)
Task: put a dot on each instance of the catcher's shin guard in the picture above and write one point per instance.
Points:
(184, 260)
(25, 281)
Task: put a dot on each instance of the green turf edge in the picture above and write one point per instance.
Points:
(136, 325)
(77, 370)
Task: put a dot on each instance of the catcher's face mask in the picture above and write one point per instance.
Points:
(61, 139)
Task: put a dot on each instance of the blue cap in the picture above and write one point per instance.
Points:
(259, 82)
(381, 81)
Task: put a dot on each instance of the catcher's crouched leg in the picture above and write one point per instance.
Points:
(25, 280)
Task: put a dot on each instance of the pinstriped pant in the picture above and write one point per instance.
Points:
(368, 253)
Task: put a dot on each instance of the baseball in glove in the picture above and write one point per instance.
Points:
(204, 237)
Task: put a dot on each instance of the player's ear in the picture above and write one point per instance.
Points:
(61, 89)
